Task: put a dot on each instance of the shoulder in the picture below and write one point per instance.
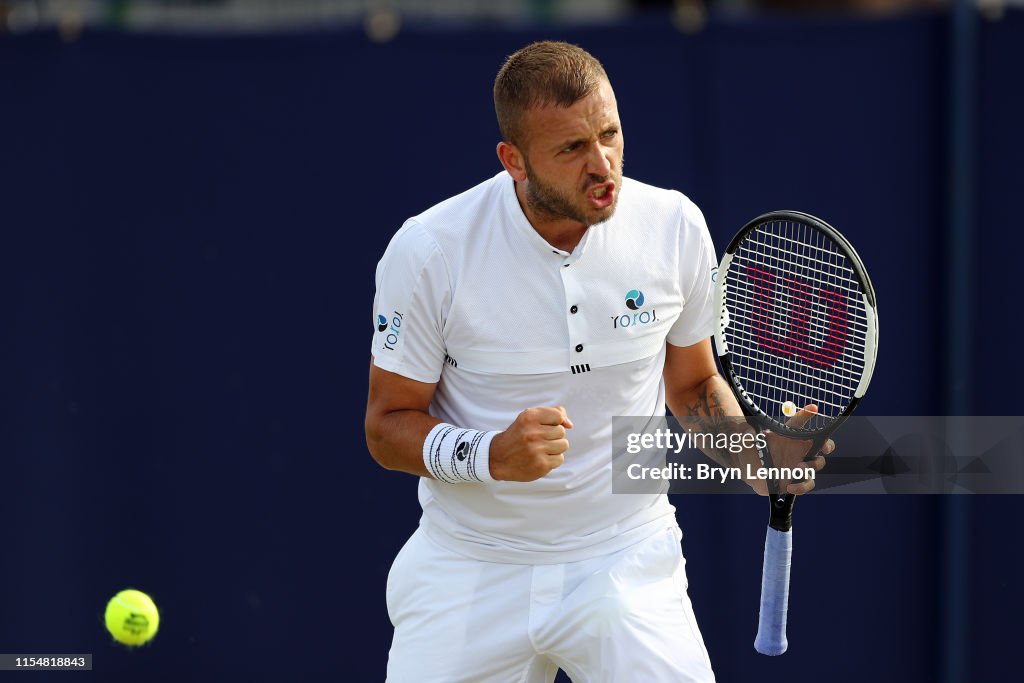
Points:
(412, 247)
(412, 257)
(452, 218)
(446, 226)
(662, 206)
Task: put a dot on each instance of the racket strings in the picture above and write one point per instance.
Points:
(796, 320)
(846, 377)
(762, 272)
(842, 275)
(779, 257)
(814, 322)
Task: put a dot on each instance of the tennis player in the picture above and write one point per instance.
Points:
(513, 321)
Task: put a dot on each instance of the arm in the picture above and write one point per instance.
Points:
(694, 388)
(397, 423)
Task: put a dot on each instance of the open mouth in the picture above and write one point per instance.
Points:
(602, 196)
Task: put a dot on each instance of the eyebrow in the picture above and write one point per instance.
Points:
(567, 143)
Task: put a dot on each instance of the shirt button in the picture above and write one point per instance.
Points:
(579, 347)
(574, 308)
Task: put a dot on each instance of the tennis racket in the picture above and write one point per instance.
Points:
(797, 323)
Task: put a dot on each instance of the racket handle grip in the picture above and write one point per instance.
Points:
(771, 623)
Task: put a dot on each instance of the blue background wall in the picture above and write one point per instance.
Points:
(189, 230)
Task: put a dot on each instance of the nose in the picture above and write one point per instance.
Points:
(599, 160)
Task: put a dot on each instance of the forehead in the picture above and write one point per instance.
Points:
(586, 117)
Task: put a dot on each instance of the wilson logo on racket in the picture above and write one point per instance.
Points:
(819, 308)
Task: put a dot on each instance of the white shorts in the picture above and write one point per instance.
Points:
(621, 617)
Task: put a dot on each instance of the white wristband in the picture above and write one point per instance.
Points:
(458, 456)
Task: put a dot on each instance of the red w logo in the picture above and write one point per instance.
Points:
(773, 295)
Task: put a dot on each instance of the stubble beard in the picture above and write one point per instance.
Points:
(549, 203)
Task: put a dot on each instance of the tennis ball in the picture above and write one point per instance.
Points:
(131, 617)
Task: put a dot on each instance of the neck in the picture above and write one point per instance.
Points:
(558, 231)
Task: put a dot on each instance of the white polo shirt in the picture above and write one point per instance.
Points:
(471, 297)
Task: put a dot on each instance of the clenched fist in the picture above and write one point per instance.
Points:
(532, 446)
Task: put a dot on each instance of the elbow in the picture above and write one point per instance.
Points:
(376, 442)
(373, 442)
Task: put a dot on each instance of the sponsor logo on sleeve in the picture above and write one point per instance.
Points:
(392, 328)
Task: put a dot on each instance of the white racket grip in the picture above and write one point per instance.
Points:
(771, 624)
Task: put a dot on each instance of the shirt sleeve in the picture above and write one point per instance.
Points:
(698, 270)
(410, 306)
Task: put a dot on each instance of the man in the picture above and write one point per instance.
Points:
(498, 364)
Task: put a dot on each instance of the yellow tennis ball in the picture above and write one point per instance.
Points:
(131, 617)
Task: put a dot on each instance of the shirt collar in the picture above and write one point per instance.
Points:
(523, 226)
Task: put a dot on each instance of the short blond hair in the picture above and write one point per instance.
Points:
(539, 75)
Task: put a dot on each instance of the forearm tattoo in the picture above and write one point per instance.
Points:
(708, 403)
(716, 411)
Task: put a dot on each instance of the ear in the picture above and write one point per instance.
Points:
(512, 159)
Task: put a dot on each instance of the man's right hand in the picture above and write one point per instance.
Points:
(532, 446)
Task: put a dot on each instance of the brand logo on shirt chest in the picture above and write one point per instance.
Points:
(634, 302)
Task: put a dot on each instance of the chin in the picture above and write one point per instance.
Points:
(602, 215)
